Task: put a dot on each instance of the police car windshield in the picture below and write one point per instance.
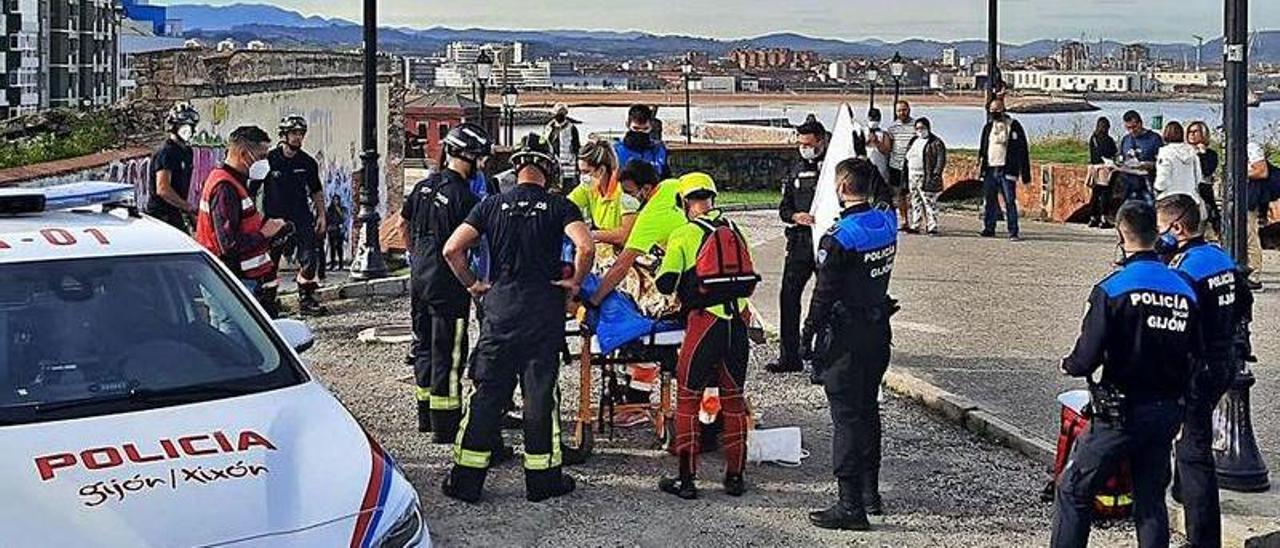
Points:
(98, 336)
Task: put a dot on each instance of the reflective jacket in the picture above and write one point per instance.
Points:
(251, 261)
(855, 260)
(1225, 305)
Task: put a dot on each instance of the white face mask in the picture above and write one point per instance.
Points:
(808, 153)
(922, 133)
(259, 170)
(587, 179)
(873, 125)
(184, 132)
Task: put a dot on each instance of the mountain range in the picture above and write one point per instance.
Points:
(284, 28)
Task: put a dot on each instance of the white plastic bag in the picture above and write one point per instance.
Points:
(777, 445)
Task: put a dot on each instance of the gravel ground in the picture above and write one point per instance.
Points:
(942, 486)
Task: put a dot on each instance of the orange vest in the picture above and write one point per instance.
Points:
(253, 264)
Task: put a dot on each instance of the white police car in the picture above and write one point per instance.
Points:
(146, 399)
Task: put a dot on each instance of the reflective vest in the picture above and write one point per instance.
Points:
(253, 264)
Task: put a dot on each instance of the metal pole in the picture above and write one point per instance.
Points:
(992, 48)
(1239, 465)
(482, 91)
(368, 263)
(897, 91)
(688, 118)
(872, 103)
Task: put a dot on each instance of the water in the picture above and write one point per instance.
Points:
(959, 126)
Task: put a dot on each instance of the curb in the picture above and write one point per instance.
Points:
(393, 286)
(1237, 531)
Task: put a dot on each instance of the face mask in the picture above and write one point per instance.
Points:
(259, 170)
(1166, 244)
(873, 125)
(636, 140)
(560, 117)
(922, 133)
(184, 132)
(809, 153)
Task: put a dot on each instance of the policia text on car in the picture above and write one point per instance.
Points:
(1142, 326)
(522, 329)
(439, 304)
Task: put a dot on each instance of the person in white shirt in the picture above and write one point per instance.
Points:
(879, 143)
(1259, 174)
(1178, 166)
(926, 160)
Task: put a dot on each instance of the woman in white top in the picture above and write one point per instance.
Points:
(1177, 165)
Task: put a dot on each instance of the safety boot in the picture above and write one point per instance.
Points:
(424, 416)
(735, 485)
(571, 456)
(309, 306)
(846, 514)
(444, 425)
(682, 487)
(784, 366)
(464, 484)
(540, 485)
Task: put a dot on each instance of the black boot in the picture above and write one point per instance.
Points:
(570, 456)
(846, 514)
(500, 455)
(540, 485)
(735, 485)
(444, 426)
(789, 365)
(309, 306)
(424, 416)
(680, 487)
(464, 484)
(871, 494)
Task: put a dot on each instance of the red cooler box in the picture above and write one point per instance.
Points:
(1115, 499)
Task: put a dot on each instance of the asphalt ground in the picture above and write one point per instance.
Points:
(942, 486)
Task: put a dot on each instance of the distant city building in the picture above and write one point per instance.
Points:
(58, 54)
(420, 71)
(155, 16)
(257, 45)
(468, 52)
(226, 45)
(950, 57)
(838, 71)
(137, 37)
(715, 84)
(591, 82)
(775, 58)
(524, 75)
(1052, 81)
(454, 75)
(1172, 80)
(1135, 57)
(1073, 56)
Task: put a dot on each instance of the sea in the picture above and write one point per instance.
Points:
(958, 126)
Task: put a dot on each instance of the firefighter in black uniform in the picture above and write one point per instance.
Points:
(1141, 326)
(171, 170)
(522, 329)
(440, 305)
(1225, 310)
(293, 192)
(851, 298)
(797, 196)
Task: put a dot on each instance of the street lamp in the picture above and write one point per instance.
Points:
(897, 68)
(1238, 463)
(484, 70)
(509, 96)
(368, 263)
(687, 68)
(993, 52)
(873, 76)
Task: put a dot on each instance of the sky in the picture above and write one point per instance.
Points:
(893, 20)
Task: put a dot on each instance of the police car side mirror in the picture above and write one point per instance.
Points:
(296, 333)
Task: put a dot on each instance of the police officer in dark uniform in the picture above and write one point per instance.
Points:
(797, 197)
(171, 168)
(1225, 310)
(522, 329)
(1141, 326)
(440, 305)
(851, 298)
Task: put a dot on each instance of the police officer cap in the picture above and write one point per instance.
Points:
(696, 186)
(182, 113)
(291, 123)
(536, 151)
(468, 140)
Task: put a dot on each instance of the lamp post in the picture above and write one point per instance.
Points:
(873, 76)
(484, 70)
(992, 49)
(368, 263)
(509, 96)
(1239, 464)
(687, 68)
(897, 68)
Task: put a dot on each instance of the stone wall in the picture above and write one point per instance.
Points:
(1057, 192)
(737, 167)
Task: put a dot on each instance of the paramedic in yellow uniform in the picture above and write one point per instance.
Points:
(607, 209)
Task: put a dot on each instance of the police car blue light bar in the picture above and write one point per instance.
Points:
(68, 196)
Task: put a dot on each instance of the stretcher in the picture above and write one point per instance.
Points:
(661, 346)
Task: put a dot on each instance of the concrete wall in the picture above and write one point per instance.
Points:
(737, 167)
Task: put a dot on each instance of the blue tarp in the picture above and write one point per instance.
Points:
(618, 321)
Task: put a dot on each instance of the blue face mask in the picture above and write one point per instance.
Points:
(1166, 244)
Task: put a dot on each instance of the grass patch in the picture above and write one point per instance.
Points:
(748, 197)
(86, 134)
(1060, 150)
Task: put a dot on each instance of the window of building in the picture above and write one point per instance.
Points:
(443, 130)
